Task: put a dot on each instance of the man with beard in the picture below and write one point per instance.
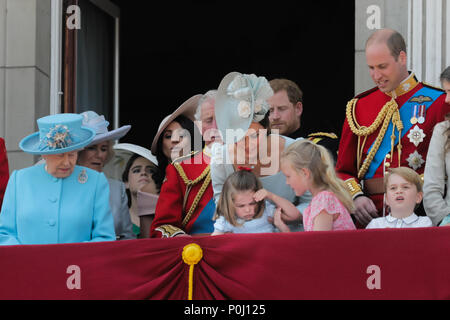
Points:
(286, 108)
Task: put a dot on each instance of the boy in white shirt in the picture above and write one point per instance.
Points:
(403, 189)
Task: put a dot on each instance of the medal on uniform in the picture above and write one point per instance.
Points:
(414, 118)
(421, 118)
(82, 177)
(415, 160)
(416, 135)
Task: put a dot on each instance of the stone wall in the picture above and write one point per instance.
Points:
(24, 72)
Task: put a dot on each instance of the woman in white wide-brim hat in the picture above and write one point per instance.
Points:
(56, 201)
(241, 108)
(140, 172)
(95, 156)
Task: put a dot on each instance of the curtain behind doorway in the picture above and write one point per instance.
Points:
(95, 62)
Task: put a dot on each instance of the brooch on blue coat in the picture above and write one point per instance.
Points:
(82, 177)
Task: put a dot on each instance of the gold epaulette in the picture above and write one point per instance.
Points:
(182, 158)
(432, 87)
(366, 93)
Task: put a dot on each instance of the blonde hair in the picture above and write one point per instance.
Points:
(406, 173)
(238, 181)
(110, 155)
(306, 154)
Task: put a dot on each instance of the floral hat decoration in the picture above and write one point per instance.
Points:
(241, 100)
(59, 133)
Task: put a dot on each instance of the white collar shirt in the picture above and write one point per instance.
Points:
(411, 221)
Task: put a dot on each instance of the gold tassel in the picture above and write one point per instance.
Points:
(192, 254)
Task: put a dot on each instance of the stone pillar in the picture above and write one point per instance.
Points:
(371, 15)
(424, 24)
(429, 34)
(24, 72)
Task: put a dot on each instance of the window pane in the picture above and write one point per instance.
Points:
(95, 62)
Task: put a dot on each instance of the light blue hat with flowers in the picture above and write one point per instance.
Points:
(58, 133)
(99, 124)
(241, 99)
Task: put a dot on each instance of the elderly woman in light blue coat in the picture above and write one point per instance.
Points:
(56, 202)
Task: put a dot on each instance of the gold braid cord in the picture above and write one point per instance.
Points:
(324, 134)
(189, 183)
(388, 113)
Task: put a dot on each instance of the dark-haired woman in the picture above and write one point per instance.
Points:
(139, 176)
(186, 205)
(177, 137)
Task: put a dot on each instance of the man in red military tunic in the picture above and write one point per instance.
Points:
(4, 170)
(388, 126)
(186, 205)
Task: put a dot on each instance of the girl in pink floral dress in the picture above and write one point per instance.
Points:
(308, 166)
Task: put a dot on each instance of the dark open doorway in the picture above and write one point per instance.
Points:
(171, 51)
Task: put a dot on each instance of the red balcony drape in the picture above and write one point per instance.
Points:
(413, 264)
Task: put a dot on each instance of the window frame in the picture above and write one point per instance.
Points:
(64, 58)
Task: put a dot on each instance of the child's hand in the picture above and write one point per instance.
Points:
(261, 195)
(279, 223)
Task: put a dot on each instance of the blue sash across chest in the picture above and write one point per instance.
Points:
(406, 111)
(204, 222)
